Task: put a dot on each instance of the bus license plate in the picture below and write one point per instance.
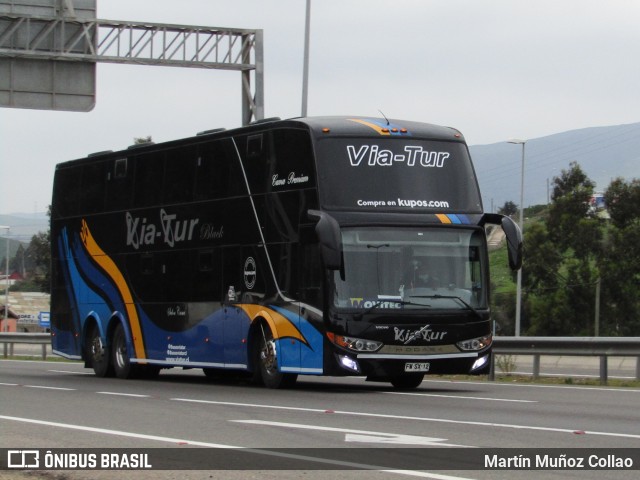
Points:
(416, 367)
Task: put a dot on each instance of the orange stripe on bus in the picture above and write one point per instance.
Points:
(280, 325)
(377, 128)
(112, 270)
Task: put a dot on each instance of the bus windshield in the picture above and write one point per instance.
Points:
(432, 268)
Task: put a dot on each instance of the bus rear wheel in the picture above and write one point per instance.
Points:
(408, 381)
(267, 362)
(99, 354)
(120, 357)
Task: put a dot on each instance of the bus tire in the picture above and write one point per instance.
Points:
(99, 354)
(120, 358)
(408, 381)
(267, 362)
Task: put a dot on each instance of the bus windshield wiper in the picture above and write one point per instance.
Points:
(453, 297)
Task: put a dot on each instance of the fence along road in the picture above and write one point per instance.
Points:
(600, 349)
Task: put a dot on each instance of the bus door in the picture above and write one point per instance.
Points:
(236, 321)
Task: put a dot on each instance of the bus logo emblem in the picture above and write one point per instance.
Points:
(250, 273)
(425, 333)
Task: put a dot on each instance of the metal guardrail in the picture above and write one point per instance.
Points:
(8, 339)
(603, 347)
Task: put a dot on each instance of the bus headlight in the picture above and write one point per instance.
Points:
(349, 363)
(480, 362)
(354, 344)
(475, 344)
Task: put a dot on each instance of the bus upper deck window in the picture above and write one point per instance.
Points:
(254, 146)
(120, 168)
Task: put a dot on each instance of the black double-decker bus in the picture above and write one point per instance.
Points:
(314, 246)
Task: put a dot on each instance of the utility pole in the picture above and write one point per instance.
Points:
(597, 308)
(305, 69)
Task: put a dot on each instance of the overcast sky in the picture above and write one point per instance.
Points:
(495, 69)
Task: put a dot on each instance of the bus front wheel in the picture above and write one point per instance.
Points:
(267, 362)
(408, 381)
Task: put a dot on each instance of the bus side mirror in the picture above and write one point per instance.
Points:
(514, 242)
(513, 235)
(328, 232)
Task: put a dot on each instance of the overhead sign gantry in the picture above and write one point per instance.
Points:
(48, 53)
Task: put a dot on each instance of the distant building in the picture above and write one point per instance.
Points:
(24, 311)
(597, 201)
(10, 323)
(598, 206)
(13, 279)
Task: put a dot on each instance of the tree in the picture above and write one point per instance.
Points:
(620, 262)
(16, 264)
(560, 271)
(568, 251)
(509, 208)
(622, 201)
(35, 261)
(568, 223)
(40, 253)
(543, 259)
(142, 140)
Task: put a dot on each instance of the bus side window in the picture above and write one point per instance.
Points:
(146, 264)
(67, 188)
(206, 285)
(92, 193)
(217, 173)
(254, 146)
(120, 168)
(119, 184)
(291, 161)
(148, 183)
(254, 149)
(180, 165)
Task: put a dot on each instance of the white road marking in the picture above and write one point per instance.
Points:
(71, 372)
(137, 395)
(217, 445)
(361, 435)
(461, 397)
(528, 385)
(115, 432)
(411, 418)
(49, 388)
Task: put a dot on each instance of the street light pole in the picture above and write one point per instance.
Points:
(519, 278)
(305, 69)
(6, 292)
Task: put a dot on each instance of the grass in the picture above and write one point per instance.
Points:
(501, 275)
(582, 381)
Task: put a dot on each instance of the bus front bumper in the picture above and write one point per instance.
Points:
(381, 366)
